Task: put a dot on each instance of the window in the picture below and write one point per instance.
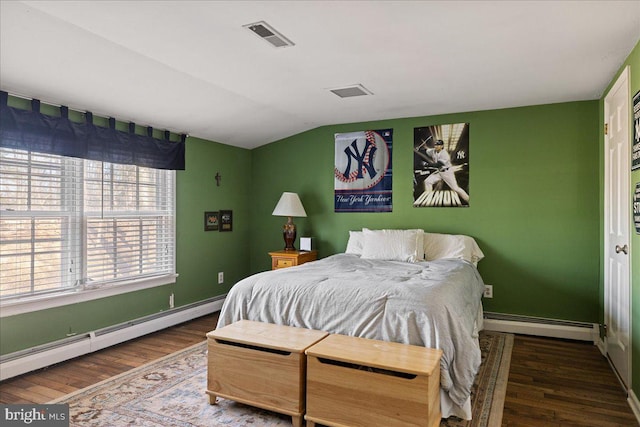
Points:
(68, 224)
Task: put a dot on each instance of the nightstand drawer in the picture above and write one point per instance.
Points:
(284, 259)
(282, 263)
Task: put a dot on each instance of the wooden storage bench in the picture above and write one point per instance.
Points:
(362, 382)
(260, 364)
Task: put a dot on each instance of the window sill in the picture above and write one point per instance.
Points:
(30, 304)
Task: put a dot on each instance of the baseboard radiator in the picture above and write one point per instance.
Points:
(543, 327)
(23, 361)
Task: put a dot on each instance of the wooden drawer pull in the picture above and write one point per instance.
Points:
(254, 347)
(366, 368)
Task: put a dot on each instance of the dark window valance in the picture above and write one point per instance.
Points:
(34, 131)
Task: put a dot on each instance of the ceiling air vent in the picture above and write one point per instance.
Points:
(267, 33)
(349, 91)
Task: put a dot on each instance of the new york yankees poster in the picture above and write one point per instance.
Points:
(441, 165)
(363, 171)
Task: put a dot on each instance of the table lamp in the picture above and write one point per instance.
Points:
(289, 205)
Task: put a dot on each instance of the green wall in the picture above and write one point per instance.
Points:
(200, 255)
(534, 201)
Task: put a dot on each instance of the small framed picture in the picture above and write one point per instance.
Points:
(211, 221)
(226, 220)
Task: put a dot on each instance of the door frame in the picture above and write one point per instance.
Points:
(624, 75)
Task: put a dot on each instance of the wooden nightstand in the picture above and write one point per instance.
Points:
(284, 259)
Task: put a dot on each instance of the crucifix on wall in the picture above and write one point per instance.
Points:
(218, 177)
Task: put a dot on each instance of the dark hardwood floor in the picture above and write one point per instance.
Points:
(551, 382)
(562, 383)
(58, 380)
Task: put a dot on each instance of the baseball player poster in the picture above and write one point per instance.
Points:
(441, 165)
(362, 171)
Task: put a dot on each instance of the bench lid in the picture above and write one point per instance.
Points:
(268, 335)
(410, 359)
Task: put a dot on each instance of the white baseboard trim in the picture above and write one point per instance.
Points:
(544, 330)
(635, 404)
(19, 363)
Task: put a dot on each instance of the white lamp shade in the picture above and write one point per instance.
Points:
(289, 205)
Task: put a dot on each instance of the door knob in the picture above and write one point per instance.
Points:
(624, 249)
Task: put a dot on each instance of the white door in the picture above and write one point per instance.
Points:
(617, 205)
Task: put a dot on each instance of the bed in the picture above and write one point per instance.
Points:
(404, 286)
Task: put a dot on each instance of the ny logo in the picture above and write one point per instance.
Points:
(365, 160)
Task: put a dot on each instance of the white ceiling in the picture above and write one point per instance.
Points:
(190, 66)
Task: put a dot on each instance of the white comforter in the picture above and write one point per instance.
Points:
(432, 304)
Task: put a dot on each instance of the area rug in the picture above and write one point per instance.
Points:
(169, 392)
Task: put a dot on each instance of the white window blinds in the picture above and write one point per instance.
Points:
(68, 223)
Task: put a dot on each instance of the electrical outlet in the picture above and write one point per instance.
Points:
(488, 291)
(220, 277)
(171, 305)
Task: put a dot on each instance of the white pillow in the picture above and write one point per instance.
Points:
(355, 243)
(441, 246)
(393, 245)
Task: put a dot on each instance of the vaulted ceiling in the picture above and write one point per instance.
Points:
(193, 66)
